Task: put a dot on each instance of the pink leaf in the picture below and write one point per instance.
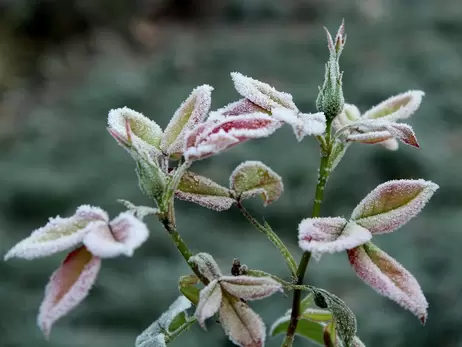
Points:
(68, 286)
(252, 178)
(397, 107)
(209, 302)
(250, 288)
(204, 192)
(404, 133)
(330, 235)
(244, 327)
(302, 123)
(191, 112)
(122, 236)
(237, 108)
(59, 234)
(261, 94)
(215, 136)
(133, 129)
(392, 204)
(388, 278)
(370, 137)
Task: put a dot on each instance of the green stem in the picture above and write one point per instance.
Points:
(324, 172)
(265, 229)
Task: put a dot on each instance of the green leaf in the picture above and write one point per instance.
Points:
(310, 330)
(177, 322)
(187, 287)
(330, 334)
(343, 316)
(253, 178)
(317, 315)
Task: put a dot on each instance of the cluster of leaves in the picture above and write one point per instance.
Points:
(163, 159)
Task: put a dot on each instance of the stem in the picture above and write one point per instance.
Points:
(324, 172)
(272, 237)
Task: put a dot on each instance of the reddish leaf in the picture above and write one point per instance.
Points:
(389, 278)
(68, 286)
(250, 288)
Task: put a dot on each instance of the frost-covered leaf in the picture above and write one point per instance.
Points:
(250, 288)
(350, 114)
(209, 302)
(138, 211)
(400, 106)
(330, 235)
(371, 137)
(237, 108)
(344, 318)
(303, 124)
(308, 329)
(388, 278)
(206, 265)
(243, 326)
(392, 204)
(154, 335)
(261, 93)
(253, 178)
(122, 236)
(191, 112)
(390, 144)
(131, 128)
(339, 149)
(187, 287)
(67, 287)
(59, 234)
(404, 133)
(217, 135)
(203, 191)
(357, 342)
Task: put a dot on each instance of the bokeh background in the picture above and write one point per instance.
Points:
(64, 64)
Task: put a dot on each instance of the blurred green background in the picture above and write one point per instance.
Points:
(64, 64)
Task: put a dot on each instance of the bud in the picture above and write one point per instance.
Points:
(330, 99)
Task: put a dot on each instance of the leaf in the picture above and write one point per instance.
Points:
(68, 286)
(330, 235)
(243, 326)
(260, 93)
(339, 149)
(237, 108)
(344, 318)
(58, 234)
(253, 178)
(217, 135)
(330, 335)
(390, 144)
(191, 112)
(392, 204)
(350, 114)
(206, 265)
(389, 278)
(138, 211)
(310, 330)
(204, 192)
(371, 137)
(155, 334)
(404, 133)
(249, 287)
(122, 236)
(209, 302)
(187, 287)
(132, 129)
(400, 106)
(357, 342)
(317, 315)
(303, 124)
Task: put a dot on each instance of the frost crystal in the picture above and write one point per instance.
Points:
(203, 191)
(330, 235)
(132, 128)
(261, 94)
(388, 278)
(67, 287)
(392, 204)
(217, 135)
(302, 123)
(191, 112)
(397, 107)
(59, 234)
(252, 178)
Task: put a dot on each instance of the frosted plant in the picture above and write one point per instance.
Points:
(163, 161)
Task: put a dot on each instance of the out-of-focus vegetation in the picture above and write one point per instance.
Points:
(64, 64)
